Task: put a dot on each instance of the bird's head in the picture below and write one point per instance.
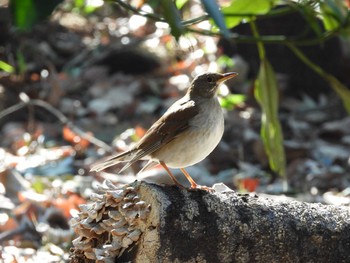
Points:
(206, 85)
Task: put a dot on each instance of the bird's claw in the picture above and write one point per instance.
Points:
(201, 187)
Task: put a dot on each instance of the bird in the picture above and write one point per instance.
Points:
(184, 135)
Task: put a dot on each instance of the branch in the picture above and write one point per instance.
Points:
(145, 222)
(275, 39)
(138, 11)
(61, 117)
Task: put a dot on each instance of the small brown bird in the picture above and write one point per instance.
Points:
(186, 133)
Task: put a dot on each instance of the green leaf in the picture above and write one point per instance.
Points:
(225, 61)
(6, 67)
(180, 3)
(253, 7)
(312, 19)
(86, 7)
(38, 185)
(212, 8)
(173, 18)
(342, 91)
(79, 3)
(232, 100)
(334, 13)
(23, 13)
(26, 13)
(266, 94)
(21, 62)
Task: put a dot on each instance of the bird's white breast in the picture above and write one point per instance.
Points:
(192, 146)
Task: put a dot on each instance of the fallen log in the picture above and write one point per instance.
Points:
(144, 222)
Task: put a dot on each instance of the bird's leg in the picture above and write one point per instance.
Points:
(189, 178)
(194, 185)
(171, 174)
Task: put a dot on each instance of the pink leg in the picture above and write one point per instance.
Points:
(194, 185)
(171, 174)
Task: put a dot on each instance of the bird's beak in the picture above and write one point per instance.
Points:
(227, 76)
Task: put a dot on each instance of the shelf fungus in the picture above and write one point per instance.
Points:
(112, 222)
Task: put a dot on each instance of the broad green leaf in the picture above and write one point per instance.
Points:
(253, 7)
(225, 61)
(38, 185)
(26, 13)
(180, 3)
(23, 13)
(212, 8)
(232, 100)
(79, 3)
(266, 94)
(6, 67)
(312, 19)
(334, 13)
(173, 18)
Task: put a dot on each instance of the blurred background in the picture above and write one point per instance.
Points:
(83, 79)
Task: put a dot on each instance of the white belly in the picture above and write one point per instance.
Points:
(193, 145)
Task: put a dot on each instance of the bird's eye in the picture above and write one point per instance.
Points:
(210, 79)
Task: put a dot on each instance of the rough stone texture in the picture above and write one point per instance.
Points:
(198, 226)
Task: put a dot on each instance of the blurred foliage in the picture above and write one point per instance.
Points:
(266, 93)
(26, 13)
(225, 61)
(237, 11)
(6, 67)
(230, 101)
(212, 8)
(85, 7)
(180, 3)
(335, 15)
(172, 17)
(21, 62)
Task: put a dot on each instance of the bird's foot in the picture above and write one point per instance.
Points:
(201, 187)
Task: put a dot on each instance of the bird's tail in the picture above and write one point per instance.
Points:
(122, 157)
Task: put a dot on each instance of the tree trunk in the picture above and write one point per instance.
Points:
(167, 224)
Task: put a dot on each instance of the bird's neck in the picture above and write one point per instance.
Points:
(195, 96)
(200, 99)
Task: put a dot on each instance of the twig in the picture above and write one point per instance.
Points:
(195, 20)
(138, 11)
(61, 117)
(342, 91)
(275, 39)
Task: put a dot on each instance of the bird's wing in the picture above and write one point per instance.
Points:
(174, 121)
(167, 128)
(121, 157)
